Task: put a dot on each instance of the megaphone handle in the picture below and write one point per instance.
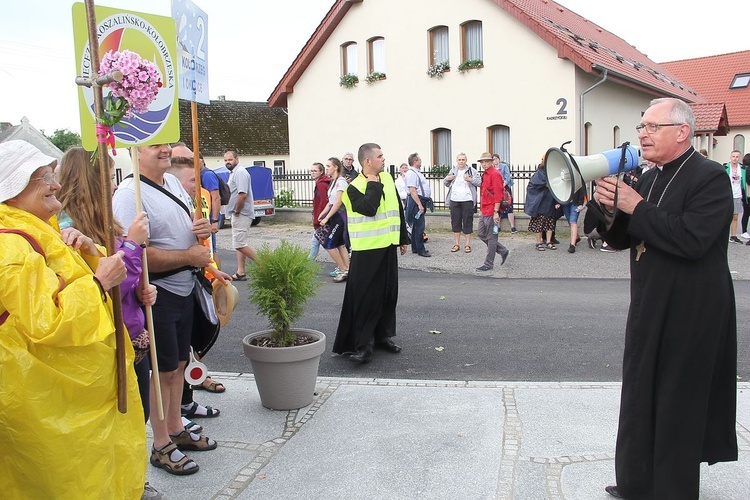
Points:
(620, 170)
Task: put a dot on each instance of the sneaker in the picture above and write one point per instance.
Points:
(151, 493)
(483, 268)
(572, 249)
(746, 235)
(592, 243)
(735, 239)
(607, 248)
(513, 230)
(555, 241)
(334, 273)
(341, 276)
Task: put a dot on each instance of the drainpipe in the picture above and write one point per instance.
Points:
(581, 125)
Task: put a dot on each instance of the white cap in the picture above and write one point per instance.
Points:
(18, 160)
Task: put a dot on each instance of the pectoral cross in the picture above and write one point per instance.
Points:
(639, 249)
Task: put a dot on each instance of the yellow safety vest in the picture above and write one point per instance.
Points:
(381, 230)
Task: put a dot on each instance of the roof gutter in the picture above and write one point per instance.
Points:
(581, 124)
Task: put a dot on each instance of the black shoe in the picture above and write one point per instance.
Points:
(425, 254)
(388, 345)
(748, 243)
(735, 239)
(555, 241)
(592, 243)
(578, 239)
(483, 268)
(613, 491)
(362, 356)
(572, 249)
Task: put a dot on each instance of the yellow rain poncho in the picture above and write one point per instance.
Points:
(61, 432)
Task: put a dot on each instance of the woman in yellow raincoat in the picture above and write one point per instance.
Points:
(61, 432)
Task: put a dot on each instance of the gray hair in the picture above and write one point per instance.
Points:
(680, 112)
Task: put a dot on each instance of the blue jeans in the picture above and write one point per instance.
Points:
(314, 247)
(417, 234)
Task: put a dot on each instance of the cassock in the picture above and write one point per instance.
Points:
(368, 312)
(679, 386)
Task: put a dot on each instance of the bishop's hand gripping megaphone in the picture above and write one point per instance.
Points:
(566, 173)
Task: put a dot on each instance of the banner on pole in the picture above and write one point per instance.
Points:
(192, 47)
(153, 38)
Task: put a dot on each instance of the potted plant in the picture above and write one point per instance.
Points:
(470, 64)
(374, 77)
(284, 359)
(348, 80)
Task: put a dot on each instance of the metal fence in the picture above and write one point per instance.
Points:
(296, 188)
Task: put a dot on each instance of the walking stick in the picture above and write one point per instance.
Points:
(144, 279)
(106, 207)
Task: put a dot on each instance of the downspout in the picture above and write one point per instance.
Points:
(581, 124)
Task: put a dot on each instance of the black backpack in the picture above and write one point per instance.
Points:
(224, 192)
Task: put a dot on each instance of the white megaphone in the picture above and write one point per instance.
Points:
(566, 173)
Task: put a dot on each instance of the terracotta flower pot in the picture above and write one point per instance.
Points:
(285, 376)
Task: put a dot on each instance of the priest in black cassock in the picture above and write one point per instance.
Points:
(679, 388)
(375, 220)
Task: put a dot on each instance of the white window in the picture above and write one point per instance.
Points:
(500, 142)
(441, 147)
(259, 163)
(376, 55)
(471, 43)
(349, 58)
(739, 142)
(439, 45)
(740, 81)
(279, 167)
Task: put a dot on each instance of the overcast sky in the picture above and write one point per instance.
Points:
(251, 43)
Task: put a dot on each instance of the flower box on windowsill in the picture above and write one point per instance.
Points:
(349, 80)
(470, 64)
(374, 77)
(438, 69)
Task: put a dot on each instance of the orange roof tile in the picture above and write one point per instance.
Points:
(711, 117)
(711, 77)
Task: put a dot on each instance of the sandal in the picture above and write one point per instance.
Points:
(191, 426)
(210, 385)
(467, 249)
(194, 410)
(187, 441)
(551, 246)
(540, 247)
(455, 248)
(173, 460)
(238, 277)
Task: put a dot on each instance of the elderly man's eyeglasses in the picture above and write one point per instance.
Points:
(652, 128)
(48, 178)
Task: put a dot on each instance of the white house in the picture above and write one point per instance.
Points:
(540, 75)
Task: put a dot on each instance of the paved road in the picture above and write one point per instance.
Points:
(558, 329)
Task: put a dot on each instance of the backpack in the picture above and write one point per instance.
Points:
(507, 200)
(224, 192)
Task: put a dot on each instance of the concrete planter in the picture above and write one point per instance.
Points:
(285, 376)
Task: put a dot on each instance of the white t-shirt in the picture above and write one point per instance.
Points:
(460, 188)
(736, 177)
(416, 179)
(334, 188)
(170, 226)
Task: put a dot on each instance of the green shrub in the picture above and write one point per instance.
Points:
(281, 280)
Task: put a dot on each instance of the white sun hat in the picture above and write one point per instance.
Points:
(18, 160)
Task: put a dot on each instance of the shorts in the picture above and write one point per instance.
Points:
(173, 328)
(240, 227)
(571, 213)
(336, 236)
(737, 205)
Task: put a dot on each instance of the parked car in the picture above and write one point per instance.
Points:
(261, 180)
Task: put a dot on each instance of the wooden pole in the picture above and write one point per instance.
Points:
(145, 281)
(106, 208)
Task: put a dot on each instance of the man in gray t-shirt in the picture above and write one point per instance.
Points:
(172, 253)
(240, 207)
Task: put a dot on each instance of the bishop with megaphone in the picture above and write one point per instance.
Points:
(679, 387)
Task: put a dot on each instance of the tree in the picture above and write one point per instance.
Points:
(64, 139)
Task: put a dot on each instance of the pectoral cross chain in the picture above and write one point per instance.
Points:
(639, 249)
